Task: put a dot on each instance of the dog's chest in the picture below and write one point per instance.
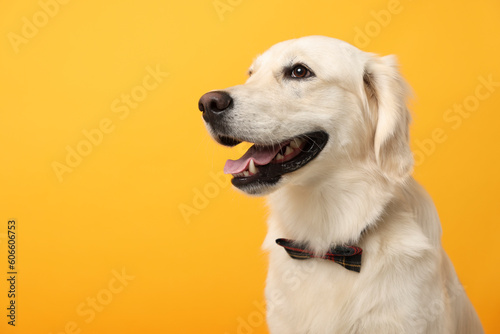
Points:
(304, 293)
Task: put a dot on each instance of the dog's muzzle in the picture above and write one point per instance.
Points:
(263, 165)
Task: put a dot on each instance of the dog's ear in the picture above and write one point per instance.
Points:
(387, 95)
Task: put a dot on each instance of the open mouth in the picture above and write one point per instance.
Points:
(265, 164)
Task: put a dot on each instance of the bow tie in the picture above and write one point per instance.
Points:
(348, 257)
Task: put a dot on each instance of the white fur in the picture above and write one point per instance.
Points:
(359, 190)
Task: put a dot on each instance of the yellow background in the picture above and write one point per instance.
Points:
(121, 207)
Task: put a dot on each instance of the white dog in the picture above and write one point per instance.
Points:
(330, 128)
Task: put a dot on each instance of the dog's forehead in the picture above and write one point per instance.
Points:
(323, 54)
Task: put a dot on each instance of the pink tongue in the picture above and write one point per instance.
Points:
(260, 155)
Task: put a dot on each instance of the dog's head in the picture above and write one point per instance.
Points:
(311, 105)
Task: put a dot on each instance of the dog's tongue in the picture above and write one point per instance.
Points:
(261, 155)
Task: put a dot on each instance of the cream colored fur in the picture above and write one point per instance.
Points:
(359, 191)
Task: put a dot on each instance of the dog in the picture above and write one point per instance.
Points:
(353, 240)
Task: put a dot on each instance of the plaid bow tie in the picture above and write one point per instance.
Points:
(348, 257)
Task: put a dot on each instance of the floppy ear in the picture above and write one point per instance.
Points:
(387, 95)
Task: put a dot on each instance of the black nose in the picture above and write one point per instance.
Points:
(212, 104)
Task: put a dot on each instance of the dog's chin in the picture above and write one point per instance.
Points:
(264, 167)
(259, 188)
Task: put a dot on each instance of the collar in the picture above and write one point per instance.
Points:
(347, 256)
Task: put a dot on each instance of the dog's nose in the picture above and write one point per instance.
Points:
(214, 103)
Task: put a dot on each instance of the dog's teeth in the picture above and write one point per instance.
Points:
(279, 157)
(296, 143)
(252, 168)
(246, 173)
(288, 150)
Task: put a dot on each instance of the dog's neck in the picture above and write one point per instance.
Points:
(333, 210)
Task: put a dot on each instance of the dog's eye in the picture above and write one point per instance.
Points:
(300, 71)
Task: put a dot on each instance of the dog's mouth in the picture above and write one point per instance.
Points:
(265, 164)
